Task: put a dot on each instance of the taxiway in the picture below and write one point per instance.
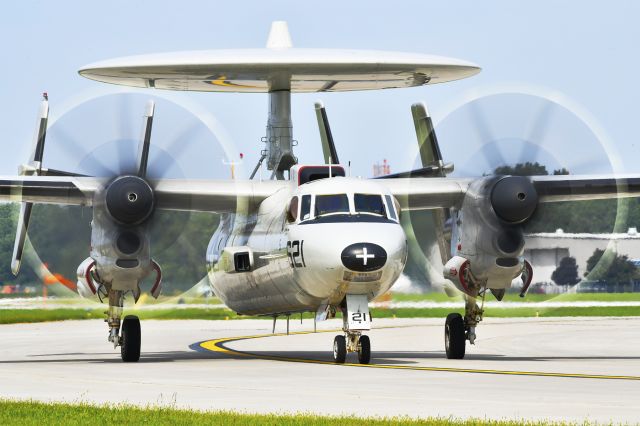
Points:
(569, 368)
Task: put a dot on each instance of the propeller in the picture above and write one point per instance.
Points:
(33, 167)
(503, 129)
(97, 138)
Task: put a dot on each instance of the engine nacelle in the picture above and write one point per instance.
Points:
(487, 231)
(87, 287)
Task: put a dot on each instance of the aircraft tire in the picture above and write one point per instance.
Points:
(454, 336)
(364, 350)
(131, 337)
(339, 349)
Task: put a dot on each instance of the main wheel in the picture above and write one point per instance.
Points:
(130, 340)
(454, 336)
(339, 349)
(364, 350)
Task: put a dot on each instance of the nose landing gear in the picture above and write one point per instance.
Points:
(356, 319)
(353, 342)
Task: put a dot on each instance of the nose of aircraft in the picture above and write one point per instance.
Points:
(364, 257)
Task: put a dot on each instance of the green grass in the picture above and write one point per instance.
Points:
(25, 413)
(514, 297)
(13, 316)
(604, 311)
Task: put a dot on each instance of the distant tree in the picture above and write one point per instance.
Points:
(61, 237)
(567, 272)
(522, 169)
(561, 171)
(611, 267)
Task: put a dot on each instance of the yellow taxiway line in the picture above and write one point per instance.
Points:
(220, 346)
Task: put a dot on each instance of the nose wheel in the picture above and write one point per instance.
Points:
(339, 349)
(353, 342)
(364, 350)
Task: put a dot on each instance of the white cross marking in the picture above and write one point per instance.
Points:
(364, 256)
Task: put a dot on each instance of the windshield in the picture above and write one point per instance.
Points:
(369, 203)
(326, 204)
(392, 211)
(305, 209)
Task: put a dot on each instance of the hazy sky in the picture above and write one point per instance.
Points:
(582, 54)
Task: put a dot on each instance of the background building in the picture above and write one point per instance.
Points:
(544, 250)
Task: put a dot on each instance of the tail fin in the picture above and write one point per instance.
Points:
(430, 154)
(328, 146)
(430, 245)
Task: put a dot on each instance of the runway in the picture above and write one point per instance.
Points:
(569, 368)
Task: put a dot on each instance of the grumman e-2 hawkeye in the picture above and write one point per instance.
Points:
(310, 239)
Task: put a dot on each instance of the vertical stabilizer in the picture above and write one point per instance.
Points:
(279, 37)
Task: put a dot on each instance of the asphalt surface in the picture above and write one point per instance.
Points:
(560, 369)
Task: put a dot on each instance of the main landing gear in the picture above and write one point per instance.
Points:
(128, 337)
(356, 319)
(457, 330)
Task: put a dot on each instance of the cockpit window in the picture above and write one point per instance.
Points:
(305, 207)
(391, 210)
(326, 204)
(369, 203)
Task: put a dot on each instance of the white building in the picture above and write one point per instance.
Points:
(544, 250)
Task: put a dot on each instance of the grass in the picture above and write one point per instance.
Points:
(604, 311)
(514, 297)
(13, 316)
(26, 413)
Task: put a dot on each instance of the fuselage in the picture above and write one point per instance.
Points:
(308, 246)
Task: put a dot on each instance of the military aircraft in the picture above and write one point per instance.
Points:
(311, 238)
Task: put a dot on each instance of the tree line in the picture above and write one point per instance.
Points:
(61, 237)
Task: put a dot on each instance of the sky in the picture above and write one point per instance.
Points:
(558, 83)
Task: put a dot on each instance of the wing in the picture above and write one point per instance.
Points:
(217, 196)
(427, 193)
(66, 190)
(432, 193)
(585, 187)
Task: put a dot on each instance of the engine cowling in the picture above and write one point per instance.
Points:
(487, 230)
